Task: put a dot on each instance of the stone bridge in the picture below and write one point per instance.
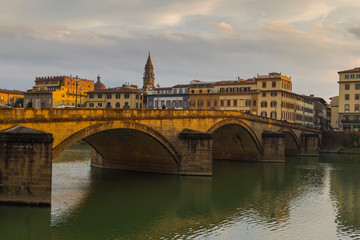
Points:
(163, 141)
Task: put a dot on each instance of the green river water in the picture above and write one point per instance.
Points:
(303, 198)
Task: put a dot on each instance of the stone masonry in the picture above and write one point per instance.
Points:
(25, 166)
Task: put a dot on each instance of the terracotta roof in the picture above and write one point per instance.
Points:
(249, 81)
(12, 91)
(181, 86)
(355, 70)
(117, 90)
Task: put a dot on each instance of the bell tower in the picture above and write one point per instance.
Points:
(148, 78)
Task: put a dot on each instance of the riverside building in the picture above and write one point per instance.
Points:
(349, 100)
(51, 92)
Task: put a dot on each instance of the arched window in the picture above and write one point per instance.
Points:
(117, 105)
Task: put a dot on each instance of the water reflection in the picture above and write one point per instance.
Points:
(305, 198)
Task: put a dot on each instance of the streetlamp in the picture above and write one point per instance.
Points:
(158, 93)
(80, 90)
(76, 81)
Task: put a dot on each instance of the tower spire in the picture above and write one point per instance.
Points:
(149, 76)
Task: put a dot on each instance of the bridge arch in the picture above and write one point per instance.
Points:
(292, 142)
(233, 139)
(121, 135)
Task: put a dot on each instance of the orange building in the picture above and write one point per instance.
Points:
(9, 97)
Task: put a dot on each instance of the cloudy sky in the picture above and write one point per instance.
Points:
(209, 40)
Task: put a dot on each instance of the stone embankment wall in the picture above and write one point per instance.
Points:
(333, 142)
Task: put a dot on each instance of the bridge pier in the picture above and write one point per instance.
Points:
(25, 166)
(196, 150)
(273, 147)
(310, 144)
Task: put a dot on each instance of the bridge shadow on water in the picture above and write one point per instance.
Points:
(94, 203)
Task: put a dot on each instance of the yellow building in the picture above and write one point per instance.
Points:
(265, 95)
(52, 92)
(118, 97)
(9, 97)
(349, 100)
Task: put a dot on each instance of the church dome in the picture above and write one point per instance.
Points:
(99, 85)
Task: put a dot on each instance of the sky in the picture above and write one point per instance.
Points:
(208, 40)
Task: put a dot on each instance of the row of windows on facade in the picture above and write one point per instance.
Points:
(352, 76)
(117, 105)
(288, 115)
(356, 107)
(169, 91)
(242, 103)
(347, 86)
(351, 118)
(347, 96)
(117, 96)
(169, 104)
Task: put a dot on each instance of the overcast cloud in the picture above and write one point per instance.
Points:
(209, 40)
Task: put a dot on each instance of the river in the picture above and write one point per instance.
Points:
(303, 198)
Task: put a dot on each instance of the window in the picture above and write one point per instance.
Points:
(346, 76)
(273, 115)
(200, 103)
(208, 103)
(108, 96)
(264, 94)
(126, 105)
(352, 76)
(91, 105)
(117, 105)
(264, 84)
(273, 104)
(235, 103)
(222, 89)
(137, 96)
(192, 91)
(228, 103)
(200, 91)
(174, 91)
(263, 114)
(357, 86)
(356, 96)
(137, 105)
(347, 107)
(126, 95)
(347, 96)
(221, 103)
(254, 103)
(99, 104)
(247, 103)
(263, 104)
(347, 86)
(180, 90)
(117, 95)
(357, 75)
(99, 95)
(108, 105)
(357, 107)
(215, 103)
(90, 96)
(273, 84)
(274, 94)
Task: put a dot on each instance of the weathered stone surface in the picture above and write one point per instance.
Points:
(25, 166)
(273, 147)
(310, 144)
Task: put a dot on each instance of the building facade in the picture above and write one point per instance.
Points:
(176, 97)
(125, 97)
(10, 97)
(349, 100)
(334, 112)
(265, 95)
(64, 90)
